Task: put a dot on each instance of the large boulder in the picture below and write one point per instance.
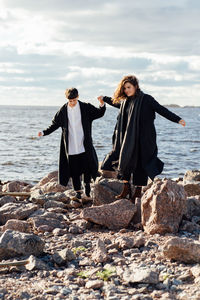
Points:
(18, 211)
(163, 206)
(182, 249)
(105, 190)
(191, 182)
(7, 199)
(115, 215)
(15, 243)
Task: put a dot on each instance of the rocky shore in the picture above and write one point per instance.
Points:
(52, 247)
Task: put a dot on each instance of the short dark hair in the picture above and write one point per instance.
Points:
(71, 93)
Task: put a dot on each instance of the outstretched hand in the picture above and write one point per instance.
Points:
(182, 122)
(40, 134)
(100, 98)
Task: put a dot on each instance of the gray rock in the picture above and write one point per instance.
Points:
(18, 211)
(7, 199)
(52, 203)
(49, 223)
(141, 275)
(36, 264)
(94, 284)
(100, 253)
(15, 243)
(105, 190)
(193, 207)
(115, 215)
(62, 257)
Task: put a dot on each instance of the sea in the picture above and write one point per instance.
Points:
(26, 157)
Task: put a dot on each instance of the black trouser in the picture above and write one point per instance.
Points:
(140, 177)
(78, 167)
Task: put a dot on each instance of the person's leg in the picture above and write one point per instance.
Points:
(140, 179)
(126, 191)
(86, 175)
(74, 165)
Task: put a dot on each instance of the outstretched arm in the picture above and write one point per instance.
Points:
(166, 113)
(108, 100)
(96, 112)
(56, 123)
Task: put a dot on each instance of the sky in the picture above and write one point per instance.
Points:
(47, 46)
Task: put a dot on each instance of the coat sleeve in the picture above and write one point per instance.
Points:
(56, 123)
(96, 112)
(163, 111)
(108, 100)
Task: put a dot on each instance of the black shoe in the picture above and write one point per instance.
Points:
(77, 197)
(87, 189)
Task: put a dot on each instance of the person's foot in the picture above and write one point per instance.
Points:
(77, 197)
(126, 192)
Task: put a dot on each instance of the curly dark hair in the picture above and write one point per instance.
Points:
(119, 92)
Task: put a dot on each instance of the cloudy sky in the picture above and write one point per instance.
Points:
(47, 46)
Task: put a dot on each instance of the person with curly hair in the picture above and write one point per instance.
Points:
(134, 140)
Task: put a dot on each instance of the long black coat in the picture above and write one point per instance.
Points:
(147, 135)
(88, 114)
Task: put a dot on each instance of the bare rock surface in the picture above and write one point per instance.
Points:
(182, 249)
(163, 206)
(17, 225)
(141, 275)
(16, 186)
(114, 215)
(191, 182)
(100, 253)
(18, 211)
(7, 199)
(193, 207)
(105, 190)
(15, 243)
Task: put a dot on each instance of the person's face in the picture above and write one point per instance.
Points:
(129, 89)
(72, 102)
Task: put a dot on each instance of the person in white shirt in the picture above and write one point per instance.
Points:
(77, 153)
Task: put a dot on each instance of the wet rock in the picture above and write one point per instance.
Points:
(15, 243)
(17, 225)
(100, 253)
(115, 215)
(105, 190)
(140, 275)
(18, 211)
(94, 284)
(163, 206)
(64, 256)
(7, 199)
(36, 264)
(182, 249)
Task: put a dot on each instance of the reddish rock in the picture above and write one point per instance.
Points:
(182, 249)
(163, 206)
(17, 225)
(16, 186)
(115, 215)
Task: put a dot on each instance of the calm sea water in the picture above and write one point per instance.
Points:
(24, 156)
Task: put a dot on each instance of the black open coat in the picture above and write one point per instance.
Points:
(88, 114)
(146, 138)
